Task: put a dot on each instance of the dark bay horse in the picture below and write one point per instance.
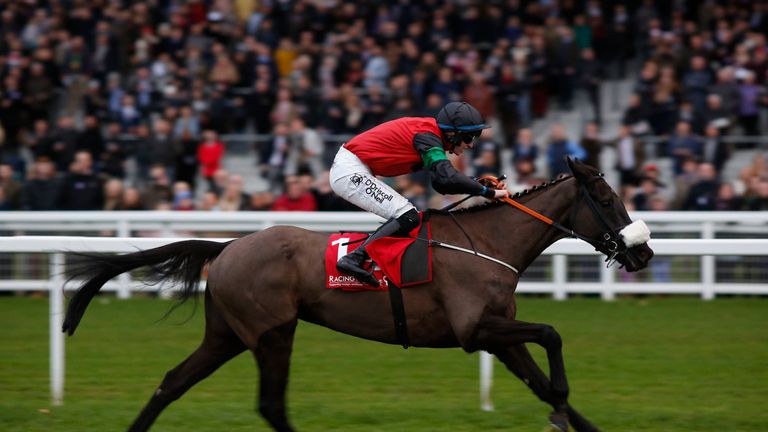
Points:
(259, 286)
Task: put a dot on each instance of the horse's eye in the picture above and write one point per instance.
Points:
(605, 203)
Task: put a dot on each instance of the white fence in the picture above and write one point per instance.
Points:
(167, 223)
(607, 287)
(116, 226)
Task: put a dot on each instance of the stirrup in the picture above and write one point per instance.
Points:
(350, 267)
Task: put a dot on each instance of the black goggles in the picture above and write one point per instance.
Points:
(469, 137)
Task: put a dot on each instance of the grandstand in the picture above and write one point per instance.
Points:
(140, 86)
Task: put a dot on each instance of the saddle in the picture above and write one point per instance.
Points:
(404, 261)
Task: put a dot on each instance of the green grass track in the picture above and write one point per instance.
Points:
(672, 364)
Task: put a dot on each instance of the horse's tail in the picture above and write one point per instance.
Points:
(181, 261)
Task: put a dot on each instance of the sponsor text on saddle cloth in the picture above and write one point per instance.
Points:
(404, 261)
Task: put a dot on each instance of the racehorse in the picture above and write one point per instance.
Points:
(260, 285)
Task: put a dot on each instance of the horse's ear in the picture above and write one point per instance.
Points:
(577, 168)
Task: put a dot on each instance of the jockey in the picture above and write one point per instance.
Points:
(398, 147)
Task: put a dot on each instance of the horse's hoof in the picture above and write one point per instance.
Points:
(557, 423)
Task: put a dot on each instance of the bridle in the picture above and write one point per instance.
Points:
(611, 242)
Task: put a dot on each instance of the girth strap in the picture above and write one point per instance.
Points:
(398, 313)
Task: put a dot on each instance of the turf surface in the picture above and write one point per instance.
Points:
(634, 365)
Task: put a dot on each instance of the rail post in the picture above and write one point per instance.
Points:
(56, 311)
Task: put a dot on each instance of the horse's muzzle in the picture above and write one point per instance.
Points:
(637, 257)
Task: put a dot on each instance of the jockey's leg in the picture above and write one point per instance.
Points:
(352, 263)
(352, 180)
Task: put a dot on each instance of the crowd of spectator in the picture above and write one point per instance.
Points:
(113, 104)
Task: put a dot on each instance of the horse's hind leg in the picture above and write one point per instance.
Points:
(273, 354)
(519, 361)
(219, 345)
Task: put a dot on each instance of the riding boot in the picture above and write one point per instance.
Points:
(352, 263)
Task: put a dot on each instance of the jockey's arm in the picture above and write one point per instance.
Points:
(445, 178)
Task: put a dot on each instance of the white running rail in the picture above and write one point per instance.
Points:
(607, 287)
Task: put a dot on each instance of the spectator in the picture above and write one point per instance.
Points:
(703, 194)
(748, 110)
(757, 198)
(129, 115)
(559, 148)
(727, 200)
(326, 199)
(232, 197)
(714, 150)
(187, 126)
(113, 194)
(376, 68)
(131, 200)
(727, 90)
(305, 151)
(209, 154)
(111, 161)
(592, 144)
(12, 112)
(590, 76)
(262, 103)
(509, 89)
(564, 60)
(81, 188)
(684, 181)
(686, 113)
(648, 189)
(446, 86)
(90, 138)
(717, 115)
(636, 116)
(630, 155)
(63, 144)
(479, 94)
(486, 155)
(273, 155)
(157, 193)
(11, 187)
(683, 145)
(297, 197)
(38, 92)
(182, 197)
(162, 147)
(186, 166)
(524, 147)
(262, 201)
(42, 189)
(696, 82)
(209, 202)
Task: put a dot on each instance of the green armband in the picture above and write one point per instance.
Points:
(432, 155)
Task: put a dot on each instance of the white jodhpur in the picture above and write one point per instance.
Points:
(352, 180)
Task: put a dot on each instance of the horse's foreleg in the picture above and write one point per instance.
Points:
(497, 334)
(519, 361)
(273, 354)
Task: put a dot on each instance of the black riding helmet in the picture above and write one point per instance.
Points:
(461, 118)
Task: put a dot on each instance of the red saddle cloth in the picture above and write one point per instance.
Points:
(404, 261)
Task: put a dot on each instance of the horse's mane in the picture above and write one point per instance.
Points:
(494, 204)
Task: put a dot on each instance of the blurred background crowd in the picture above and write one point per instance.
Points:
(242, 104)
